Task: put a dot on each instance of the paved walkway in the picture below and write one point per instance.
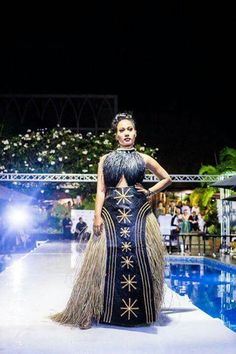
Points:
(39, 284)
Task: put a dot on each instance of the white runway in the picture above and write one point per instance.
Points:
(40, 283)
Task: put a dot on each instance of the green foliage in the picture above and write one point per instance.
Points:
(207, 196)
(54, 151)
(59, 211)
(227, 163)
(212, 229)
(45, 221)
(227, 160)
(57, 151)
(53, 222)
(208, 170)
(89, 203)
(203, 197)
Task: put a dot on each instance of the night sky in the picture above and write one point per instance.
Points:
(173, 66)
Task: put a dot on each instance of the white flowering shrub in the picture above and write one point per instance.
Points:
(58, 150)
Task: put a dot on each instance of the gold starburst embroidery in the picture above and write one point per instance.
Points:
(129, 282)
(123, 196)
(125, 232)
(126, 246)
(129, 308)
(124, 215)
(127, 262)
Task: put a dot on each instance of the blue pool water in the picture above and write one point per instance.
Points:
(210, 285)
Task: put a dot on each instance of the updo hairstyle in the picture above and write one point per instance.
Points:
(119, 117)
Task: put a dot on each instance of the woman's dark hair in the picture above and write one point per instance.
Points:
(119, 117)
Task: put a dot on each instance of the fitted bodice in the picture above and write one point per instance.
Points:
(127, 163)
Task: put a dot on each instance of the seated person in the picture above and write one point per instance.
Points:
(80, 230)
(186, 207)
(193, 219)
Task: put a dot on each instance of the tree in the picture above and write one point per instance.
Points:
(227, 163)
(204, 196)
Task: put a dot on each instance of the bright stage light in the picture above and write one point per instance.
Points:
(17, 216)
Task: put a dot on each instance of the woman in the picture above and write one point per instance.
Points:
(121, 279)
(185, 226)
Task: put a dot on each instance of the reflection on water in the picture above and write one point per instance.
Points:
(210, 289)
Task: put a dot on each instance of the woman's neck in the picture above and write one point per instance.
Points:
(126, 148)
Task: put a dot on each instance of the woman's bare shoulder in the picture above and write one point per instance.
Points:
(102, 158)
(145, 157)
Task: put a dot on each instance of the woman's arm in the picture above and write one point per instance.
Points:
(159, 172)
(100, 196)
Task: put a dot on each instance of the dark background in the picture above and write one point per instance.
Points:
(173, 65)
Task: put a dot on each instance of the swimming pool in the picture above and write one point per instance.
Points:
(209, 284)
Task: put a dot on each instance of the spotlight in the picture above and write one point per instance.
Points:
(17, 217)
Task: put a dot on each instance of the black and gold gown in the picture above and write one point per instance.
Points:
(121, 279)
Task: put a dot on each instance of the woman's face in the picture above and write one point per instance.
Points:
(126, 133)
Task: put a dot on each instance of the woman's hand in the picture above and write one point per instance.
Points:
(140, 188)
(97, 225)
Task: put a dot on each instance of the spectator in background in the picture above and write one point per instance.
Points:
(177, 219)
(67, 224)
(69, 206)
(179, 206)
(78, 200)
(201, 222)
(186, 207)
(80, 229)
(176, 226)
(160, 209)
(185, 226)
(196, 209)
(193, 219)
(172, 208)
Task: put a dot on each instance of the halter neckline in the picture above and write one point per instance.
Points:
(125, 149)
